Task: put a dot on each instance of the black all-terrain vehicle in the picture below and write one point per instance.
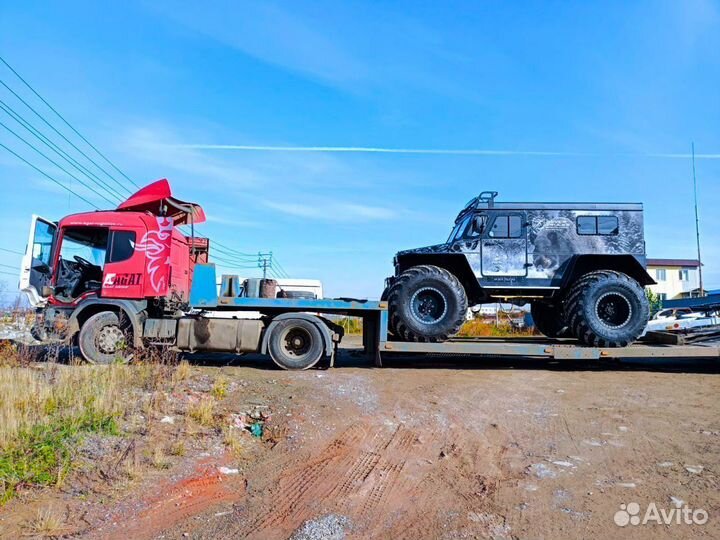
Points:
(581, 266)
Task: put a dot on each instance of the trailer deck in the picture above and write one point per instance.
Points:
(377, 342)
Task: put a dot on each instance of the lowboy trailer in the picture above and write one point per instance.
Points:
(278, 341)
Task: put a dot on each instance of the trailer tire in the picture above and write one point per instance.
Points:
(104, 339)
(548, 319)
(426, 303)
(607, 309)
(296, 344)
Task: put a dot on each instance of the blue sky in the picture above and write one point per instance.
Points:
(612, 90)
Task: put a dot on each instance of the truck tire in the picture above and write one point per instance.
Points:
(549, 320)
(426, 304)
(104, 339)
(296, 344)
(607, 309)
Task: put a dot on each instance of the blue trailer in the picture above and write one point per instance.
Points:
(297, 334)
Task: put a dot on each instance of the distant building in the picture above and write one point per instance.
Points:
(676, 278)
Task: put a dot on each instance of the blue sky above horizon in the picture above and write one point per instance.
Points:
(609, 89)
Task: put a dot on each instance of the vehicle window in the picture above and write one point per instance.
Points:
(42, 241)
(607, 225)
(477, 226)
(122, 246)
(460, 229)
(603, 225)
(515, 227)
(89, 243)
(507, 227)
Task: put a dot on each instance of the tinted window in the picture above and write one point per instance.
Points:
(586, 225)
(605, 225)
(507, 227)
(515, 226)
(122, 246)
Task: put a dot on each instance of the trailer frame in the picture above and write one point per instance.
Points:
(377, 342)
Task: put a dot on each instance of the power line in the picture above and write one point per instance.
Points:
(41, 117)
(282, 270)
(57, 165)
(8, 273)
(59, 151)
(68, 124)
(48, 176)
(9, 266)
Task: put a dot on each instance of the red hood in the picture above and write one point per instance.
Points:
(153, 196)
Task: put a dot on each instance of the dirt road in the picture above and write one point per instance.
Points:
(448, 448)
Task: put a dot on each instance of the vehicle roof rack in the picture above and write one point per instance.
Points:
(488, 197)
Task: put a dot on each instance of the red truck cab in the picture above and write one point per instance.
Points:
(133, 254)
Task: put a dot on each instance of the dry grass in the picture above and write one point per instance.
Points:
(158, 458)
(182, 372)
(47, 409)
(231, 439)
(203, 411)
(482, 328)
(220, 387)
(49, 523)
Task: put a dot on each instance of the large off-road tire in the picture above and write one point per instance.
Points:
(295, 344)
(549, 319)
(104, 339)
(426, 304)
(607, 309)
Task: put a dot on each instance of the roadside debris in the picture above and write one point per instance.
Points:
(252, 421)
(329, 527)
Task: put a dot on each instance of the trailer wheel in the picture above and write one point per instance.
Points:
(296, 344)
(426, 304)
(104, 339)
(549, 320)
(607, 309)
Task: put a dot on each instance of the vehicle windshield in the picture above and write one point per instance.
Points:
(458, 229)
(88, 243)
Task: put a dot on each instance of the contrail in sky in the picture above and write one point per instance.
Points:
(430, 151)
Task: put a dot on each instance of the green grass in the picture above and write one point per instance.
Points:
(42, 454)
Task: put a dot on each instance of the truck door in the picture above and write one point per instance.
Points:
(504, 246)
(35, 270)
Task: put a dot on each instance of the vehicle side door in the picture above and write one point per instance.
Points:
(36, 266)
(124, 271)
(504, 246)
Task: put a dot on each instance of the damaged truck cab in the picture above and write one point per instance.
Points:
(128, 263)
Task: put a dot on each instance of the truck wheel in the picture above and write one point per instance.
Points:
(296, 344)
(104, 339)
(426, 304)
(548, 319)
(607, 309)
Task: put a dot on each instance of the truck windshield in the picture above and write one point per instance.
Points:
(89, 243)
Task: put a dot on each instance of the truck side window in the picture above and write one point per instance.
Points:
(506, 227)
(592, 225)
(122, 246)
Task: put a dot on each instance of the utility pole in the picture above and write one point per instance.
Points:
(697, 223)
(265, 262)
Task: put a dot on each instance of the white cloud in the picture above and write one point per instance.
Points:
(334, 211)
